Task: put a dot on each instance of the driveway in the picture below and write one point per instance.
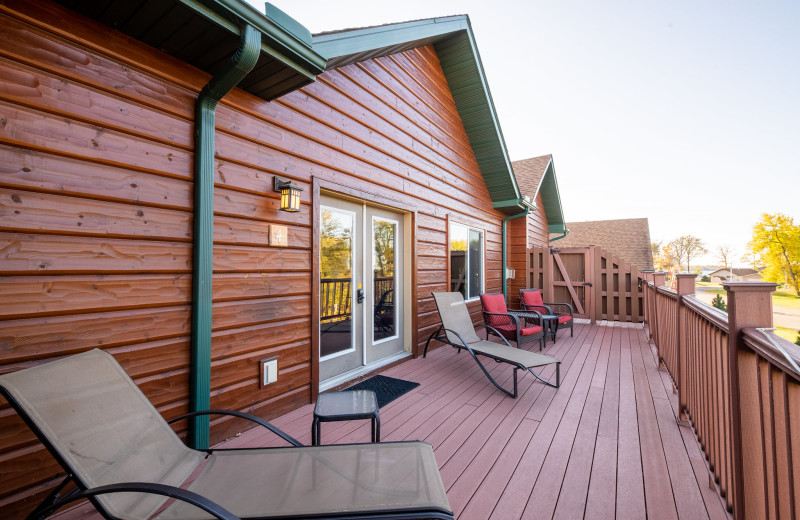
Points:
(783, 316)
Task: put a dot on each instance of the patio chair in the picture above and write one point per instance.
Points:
(531, 299)
(119, 453)
(518, 326)
(457, 330)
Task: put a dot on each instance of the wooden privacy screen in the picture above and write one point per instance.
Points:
(599, 285)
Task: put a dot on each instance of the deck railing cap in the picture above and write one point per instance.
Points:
(754, 286)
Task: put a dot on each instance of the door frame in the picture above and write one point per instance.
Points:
(364, 192)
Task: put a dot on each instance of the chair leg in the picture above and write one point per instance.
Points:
(435, 333)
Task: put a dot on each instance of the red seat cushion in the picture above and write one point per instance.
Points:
(532, 298)
(530, 331)
(494, 303)
(510, 331)
(564, 319)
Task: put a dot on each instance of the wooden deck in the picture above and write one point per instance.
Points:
(606, 444)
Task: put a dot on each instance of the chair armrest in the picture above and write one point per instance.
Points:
(258, 420)
(466, 345)
(567, 305)
(513, 319)
(177, 493)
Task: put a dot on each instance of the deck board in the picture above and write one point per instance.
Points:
(606, 444)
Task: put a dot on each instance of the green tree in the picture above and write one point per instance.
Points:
(688, 247)
(719, 303)
(797, 341)
(776, 238)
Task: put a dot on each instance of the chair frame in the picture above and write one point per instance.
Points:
(440, 334)
(56, 499)
(551, 309)
(517, 321)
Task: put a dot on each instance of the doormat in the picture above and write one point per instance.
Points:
(386, 389)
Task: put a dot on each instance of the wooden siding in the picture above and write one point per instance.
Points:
(523, 234)
(96, 183)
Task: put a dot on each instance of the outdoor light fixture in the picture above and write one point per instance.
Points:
(290, 194)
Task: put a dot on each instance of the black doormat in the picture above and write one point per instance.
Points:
(387, 389)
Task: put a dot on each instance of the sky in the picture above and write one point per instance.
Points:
(684, 112)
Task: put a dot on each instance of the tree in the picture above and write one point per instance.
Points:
(666, 260)
(688, 247)
(751, 257)
(724, 254)
(720, 303)
(777, 240)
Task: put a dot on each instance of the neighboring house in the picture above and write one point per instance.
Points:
(537, 181)
(136, 223)
(739, 275)
(628, 239)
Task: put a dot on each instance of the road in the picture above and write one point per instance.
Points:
(783, 316)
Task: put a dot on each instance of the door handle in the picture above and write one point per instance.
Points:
(360, 295)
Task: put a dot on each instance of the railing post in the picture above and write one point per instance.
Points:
(686, 283)
(749, 305)
(659, 279)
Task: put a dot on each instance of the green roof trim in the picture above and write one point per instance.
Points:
(454, 42)
(205, 33)
(551, 200)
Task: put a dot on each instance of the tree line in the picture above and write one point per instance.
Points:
(775, 247)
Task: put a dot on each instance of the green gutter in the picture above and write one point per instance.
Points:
(200, 377)
(525, 204)
(562, 236)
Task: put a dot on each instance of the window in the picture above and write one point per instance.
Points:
(466, 261)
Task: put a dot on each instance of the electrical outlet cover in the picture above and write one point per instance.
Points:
(278, 236)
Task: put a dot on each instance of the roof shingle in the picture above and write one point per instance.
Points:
(628, 239)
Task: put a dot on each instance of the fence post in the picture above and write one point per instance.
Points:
(645, 279)
(685, 286)
(749, 305)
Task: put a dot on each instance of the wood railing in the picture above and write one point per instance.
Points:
(335, 296)
(738, 387)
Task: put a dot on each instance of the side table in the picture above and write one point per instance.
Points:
(348, 405)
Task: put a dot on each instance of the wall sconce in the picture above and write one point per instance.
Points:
(290, 194)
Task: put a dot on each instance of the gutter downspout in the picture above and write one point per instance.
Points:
(518, 215)
(562, 236)
(236, 69)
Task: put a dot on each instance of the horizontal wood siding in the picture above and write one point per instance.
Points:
(96, 212)
(523, 234)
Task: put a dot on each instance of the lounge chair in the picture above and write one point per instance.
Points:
(518, 326)
(120, 454)
(531, 299)
(457, 330)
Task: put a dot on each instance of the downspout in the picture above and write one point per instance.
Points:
(237, 68)
(560, 237)
(518, 215)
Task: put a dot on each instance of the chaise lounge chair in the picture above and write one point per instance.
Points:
(459, 332)
(119, 453)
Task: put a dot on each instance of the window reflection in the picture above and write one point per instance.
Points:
(383, 237)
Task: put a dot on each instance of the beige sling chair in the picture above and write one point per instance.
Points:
(460, 333)
(119, 453)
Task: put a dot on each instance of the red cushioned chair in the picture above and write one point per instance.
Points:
(505, 323)
(531, 299)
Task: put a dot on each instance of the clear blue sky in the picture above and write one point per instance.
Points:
(684, 112)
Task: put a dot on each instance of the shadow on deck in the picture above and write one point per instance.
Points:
(606, 444)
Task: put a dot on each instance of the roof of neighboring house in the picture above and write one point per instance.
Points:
(627, 238)
(455, 45)
(743, 271)
(538, 175)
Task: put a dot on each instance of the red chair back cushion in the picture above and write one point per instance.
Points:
(532, 298)
(494, 303)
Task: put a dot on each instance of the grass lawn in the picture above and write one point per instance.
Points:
(786, 298)
(786, 333)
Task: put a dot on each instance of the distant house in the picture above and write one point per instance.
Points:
(628, 239)
(739, 275)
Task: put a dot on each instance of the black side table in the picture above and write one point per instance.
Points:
(348, 405)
